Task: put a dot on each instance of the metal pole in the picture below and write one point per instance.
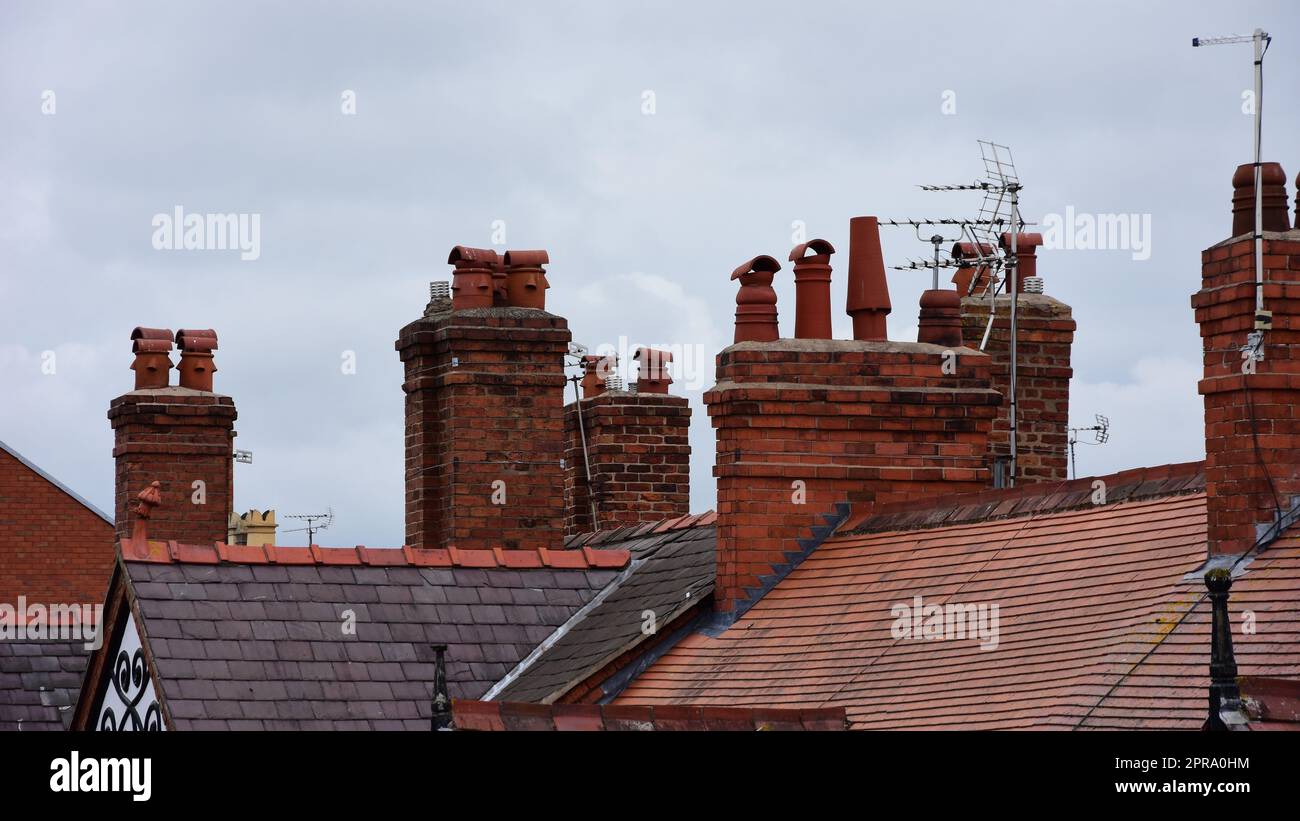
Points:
(1014, 265)
(1259, 188)
(586, 463)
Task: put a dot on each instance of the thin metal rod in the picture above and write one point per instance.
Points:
(586, 462)
(1013, 265)
(1259, 189)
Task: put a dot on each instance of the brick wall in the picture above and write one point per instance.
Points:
(175, 436)
(484, 404)
(639, 450)
(1243, 410)
(863, 422)
(1045, 334)
(53, 549)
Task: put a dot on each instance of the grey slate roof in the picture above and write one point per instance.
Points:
(39, 683)
(260, 646)
(671, 571)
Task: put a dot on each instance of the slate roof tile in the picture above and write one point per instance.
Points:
(263, 645)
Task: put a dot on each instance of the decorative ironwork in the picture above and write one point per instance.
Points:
(130, 704)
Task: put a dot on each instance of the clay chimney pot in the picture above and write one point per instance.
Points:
(868, 294)
(812, 284)
(756, 319)
(526, 279)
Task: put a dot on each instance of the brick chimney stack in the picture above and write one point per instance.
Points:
(179, 436)
(805, 425)
(484, 389)
(1045, 336)
(1252, 434)
(637, 449)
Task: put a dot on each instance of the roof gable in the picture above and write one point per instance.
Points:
(292, 638)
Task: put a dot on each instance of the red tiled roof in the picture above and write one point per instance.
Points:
(575, 559)
(505, 715)
(1097, 626)
(599, 537)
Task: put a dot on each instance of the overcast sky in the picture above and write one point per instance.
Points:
(759, 115)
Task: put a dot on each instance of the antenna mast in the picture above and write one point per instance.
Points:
(998, 213)
(326, 520)
(1261, 40)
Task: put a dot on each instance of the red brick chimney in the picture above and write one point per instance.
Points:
(179, 436)
(1045, 335)
(804, 425)
(1252, 433)
(484, 411)
(637, 450)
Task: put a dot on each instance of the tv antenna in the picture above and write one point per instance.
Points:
(1262, 40)
(1100, 436)
(326, 519)
(977, 245)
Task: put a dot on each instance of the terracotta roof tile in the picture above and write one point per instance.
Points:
(1084, 596)
(220, 553)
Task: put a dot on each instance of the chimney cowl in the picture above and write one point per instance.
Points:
(812, 289)
(526, 279)
(196, 366)
(596, 372)
(756, 317)
(652, 370)
(819, 248)
(472, 283)
(868, 291)
(152, 362)
(1273, 179)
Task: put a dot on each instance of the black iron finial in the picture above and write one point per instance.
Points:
(441, 697)
(1225, 695)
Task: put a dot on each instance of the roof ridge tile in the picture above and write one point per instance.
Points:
(156, 551)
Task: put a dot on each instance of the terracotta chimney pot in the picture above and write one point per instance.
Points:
(652, 373)
(471, 282)
(812, 289)
(868, 296)
(971, 272)
(526, 279)
(1026, 256)
(756, 319)
(595, 370)
(1273, 179)
(152, 364)
(940, 322)
(196, 365)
